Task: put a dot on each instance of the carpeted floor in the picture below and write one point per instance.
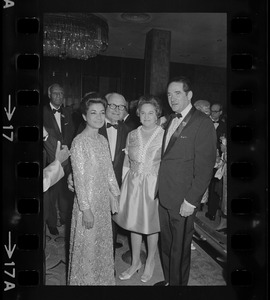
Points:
(204, 270)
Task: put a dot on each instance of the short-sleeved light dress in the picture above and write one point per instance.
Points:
(91, 259)
(138, 210)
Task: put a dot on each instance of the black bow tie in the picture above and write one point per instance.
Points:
(216, 122)
(112, 125)
(176, 115)
(59, 110)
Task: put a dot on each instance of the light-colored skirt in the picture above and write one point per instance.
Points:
(138, 210)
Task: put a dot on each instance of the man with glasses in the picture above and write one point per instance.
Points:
(215, 187)
(116, 132)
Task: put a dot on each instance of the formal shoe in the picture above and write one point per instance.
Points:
(202, 238)
(118, 245)
(210, 217)
(146, 277)
(162, 283)
(221, 259)
(53, 230)
(126, 275)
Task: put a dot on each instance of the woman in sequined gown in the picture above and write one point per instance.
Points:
(138, 208)
(91, 259)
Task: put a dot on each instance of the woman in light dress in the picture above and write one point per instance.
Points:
(138, 208)
(91, 259)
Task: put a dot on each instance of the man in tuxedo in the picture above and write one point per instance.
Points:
(130, 119)
(215, 187)
(187, 161)
(57, 120)
(116, 132)
(219, 123)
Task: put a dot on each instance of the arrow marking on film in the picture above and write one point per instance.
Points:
(9, 112)
(9, 250)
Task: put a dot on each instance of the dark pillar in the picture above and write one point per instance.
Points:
(157, 61)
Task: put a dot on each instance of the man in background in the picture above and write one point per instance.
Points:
(57, 120)
(203, 106)
(215, 187)
(130, 119)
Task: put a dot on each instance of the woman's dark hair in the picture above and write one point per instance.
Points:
(91, 98)
(149, 99)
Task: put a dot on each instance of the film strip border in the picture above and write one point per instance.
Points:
(22, 154)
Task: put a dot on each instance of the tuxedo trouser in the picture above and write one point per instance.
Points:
(60, 194)
(175, 241)
(214, 195)
(114, 232)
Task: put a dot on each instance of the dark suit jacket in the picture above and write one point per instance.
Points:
(132, 122)
(118, 161)
(187, 165)
(221, 131)
(65, 137)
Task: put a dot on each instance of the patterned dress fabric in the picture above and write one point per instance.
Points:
(91, 259)
(138, 210)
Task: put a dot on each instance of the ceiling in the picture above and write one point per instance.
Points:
(196, 38)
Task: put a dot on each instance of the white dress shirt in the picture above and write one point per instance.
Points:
(175, 123)
(215, 123)
(112, 137)
(57, 116)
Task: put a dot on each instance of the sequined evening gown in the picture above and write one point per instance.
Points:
(91, 259)
(138, 208)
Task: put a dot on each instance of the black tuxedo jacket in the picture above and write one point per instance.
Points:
(187, 163)
(119, 156)
(132, 122)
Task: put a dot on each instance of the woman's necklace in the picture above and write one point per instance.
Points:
(148, 139)
(149, 130)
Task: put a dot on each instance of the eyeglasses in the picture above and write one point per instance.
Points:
(114, 106)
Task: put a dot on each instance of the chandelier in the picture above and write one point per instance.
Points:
(74, 35)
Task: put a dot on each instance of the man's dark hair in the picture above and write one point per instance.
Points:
(186, 82)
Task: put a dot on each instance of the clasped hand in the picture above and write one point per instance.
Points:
(186, 210)
(61, 154)
(114, 201)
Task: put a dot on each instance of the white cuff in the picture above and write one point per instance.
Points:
(189, 204)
